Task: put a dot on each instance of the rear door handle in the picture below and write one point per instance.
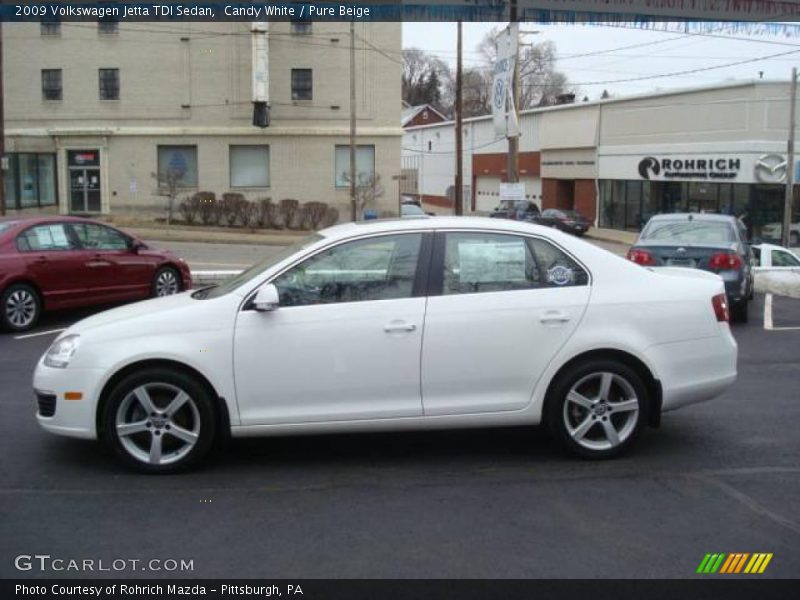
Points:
(399, 326)
(553, 317)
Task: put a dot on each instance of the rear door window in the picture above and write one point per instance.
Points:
(46, 237)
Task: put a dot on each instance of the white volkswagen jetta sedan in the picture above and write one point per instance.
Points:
(404, 324)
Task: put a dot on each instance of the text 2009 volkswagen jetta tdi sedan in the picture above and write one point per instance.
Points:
(407, 324)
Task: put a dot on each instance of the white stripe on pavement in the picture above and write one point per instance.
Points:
(768, 324)
(30, 335)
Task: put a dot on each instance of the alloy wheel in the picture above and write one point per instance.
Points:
(601, 411)
(21, 308)
(158, 423)
(167, 283)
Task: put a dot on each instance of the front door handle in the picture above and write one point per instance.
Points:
(553, 317)
(399, 326)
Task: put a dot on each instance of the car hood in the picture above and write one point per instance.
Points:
(156, 312)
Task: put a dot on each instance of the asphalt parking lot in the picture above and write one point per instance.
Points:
(723, 476)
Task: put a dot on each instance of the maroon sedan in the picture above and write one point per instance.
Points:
(49, 263)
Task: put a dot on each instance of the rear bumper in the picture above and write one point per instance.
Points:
(696, 370)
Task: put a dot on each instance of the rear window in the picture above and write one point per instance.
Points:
(697, 232)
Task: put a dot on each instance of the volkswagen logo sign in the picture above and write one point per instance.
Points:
(770, 168)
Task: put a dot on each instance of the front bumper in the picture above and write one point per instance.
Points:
(73, 418)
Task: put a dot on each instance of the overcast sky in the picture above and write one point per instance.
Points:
(674, 52)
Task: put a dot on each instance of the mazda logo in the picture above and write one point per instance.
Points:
(649, 165)
(770, 168)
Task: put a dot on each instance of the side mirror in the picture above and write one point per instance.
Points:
(266, 298)
(136, 245)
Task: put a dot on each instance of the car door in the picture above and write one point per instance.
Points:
(116, 271)
(345, 342)
(54, 262)
(500, 307)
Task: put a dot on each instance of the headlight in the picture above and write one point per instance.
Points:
(62, 351)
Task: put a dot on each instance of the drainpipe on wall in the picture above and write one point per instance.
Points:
(260, 74)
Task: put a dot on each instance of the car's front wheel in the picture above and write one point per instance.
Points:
(158, 420)
(598, 408)
(166, 282)
(21, 307)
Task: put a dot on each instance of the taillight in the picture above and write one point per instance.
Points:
(641, 257)
(724, 261)
(720, 304)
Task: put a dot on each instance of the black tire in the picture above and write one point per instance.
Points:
(558, 411)
(163, 275)
(739, 311)
(20, 295)
(161, 383)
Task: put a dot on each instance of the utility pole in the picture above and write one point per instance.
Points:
(459, 195)
(353, 207)
(2, 133)
(513, 142)
(789, 200)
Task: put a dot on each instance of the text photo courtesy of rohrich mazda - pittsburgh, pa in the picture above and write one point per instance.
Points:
(460, 299)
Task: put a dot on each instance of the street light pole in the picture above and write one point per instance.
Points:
(789, 199)
(459, 192)
(353, 207)
(513, 141)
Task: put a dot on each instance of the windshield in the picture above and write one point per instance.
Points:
(7, 225)
(689, 232)
(257, 269)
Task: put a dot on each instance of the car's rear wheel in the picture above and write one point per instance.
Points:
(739, 311)
(166, 282)
(158, 420)
(598, 408)
(21, 307)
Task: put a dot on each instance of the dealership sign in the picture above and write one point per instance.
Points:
(709, 167)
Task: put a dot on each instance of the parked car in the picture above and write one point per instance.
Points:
(400, 324)
(769, 256)
(411, 210)
(774, 231)
(570, 221)
(520, 210)
(49, 263)
(716, 243)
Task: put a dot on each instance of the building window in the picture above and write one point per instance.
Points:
(30, 180)
(177, 164)
(51, 84)
(301, 27)
(302, 88)
(365, 165)
(50, 28)
(108, 27)
(249, 166)
(109, 84)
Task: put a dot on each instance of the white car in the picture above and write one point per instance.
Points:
(772, 257)
(405, 324)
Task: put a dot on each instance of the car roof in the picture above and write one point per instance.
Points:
(344, 230)
(694, 217)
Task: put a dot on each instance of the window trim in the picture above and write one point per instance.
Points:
(436, 269)
(374, 164)
(421, 276)
(196, 185)
(306, 24)
(45, 23)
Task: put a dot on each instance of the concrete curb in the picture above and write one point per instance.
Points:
(214, 237)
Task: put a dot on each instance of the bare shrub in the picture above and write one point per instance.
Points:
(206, 207)
(288, 210)
(190, 208)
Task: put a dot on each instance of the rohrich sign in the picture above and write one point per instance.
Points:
(676, 168)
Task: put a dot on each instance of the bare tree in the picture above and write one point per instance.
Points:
(168, 186)
(426, 80)
(368, 189)
(540, 82)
